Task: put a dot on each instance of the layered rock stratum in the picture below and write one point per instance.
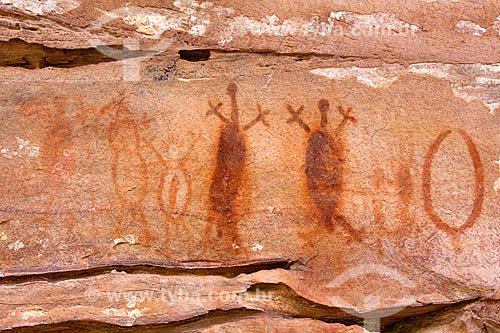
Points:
(286, 166)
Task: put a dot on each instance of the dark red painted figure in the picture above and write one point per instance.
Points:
(325, 162)
(229, 170)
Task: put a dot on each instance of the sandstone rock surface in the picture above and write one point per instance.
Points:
(227, 167)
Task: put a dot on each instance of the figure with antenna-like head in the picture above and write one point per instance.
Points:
(230, 167)
(325, 162)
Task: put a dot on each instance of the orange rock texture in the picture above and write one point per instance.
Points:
(189, 166)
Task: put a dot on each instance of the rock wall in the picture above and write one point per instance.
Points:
(327, 166)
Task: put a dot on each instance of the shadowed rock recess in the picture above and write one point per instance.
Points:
(265, 166)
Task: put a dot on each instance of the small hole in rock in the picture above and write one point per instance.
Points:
(194, 55)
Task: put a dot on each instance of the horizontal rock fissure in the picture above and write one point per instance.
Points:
(305, 308)
(228, 271)
(297, 308)
(189, 325)
(18, 53)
